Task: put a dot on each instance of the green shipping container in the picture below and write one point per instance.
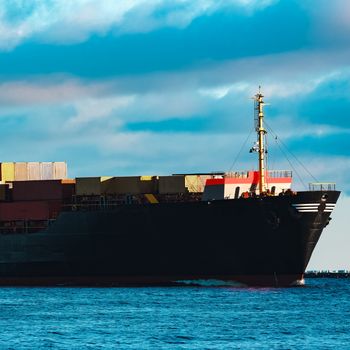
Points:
(130, 185)
(172, 184)
(88, 186)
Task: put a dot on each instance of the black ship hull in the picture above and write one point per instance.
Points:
(255, 241)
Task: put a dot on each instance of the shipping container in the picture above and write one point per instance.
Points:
(7, 171)
(29, 210)
(172, 184)
(46, 170)
(21, 171)
(196, 183)
(4, 188)
(68, 181)
(55, 207)
(41, 190)
(108, 186)
(59, 170)
(88, 186)
(130, 185)
(34, 172)
(149, 184)
(68, 189)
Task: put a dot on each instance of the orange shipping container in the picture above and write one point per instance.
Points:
(88, 186)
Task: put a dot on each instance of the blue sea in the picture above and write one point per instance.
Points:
(316, 316)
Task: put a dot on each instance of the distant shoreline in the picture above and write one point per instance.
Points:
(327, 274)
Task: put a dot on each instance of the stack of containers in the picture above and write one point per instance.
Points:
(38, 190)
(37, 199)
(97, 186)
(23, 171)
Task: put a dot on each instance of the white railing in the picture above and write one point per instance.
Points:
(279, 173)
(322, 186)
(238, 174)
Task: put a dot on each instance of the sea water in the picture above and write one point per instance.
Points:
(316, 316)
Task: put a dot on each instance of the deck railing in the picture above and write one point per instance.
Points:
(270, 173)
(238, 174)
(279, 173)
(322, 186)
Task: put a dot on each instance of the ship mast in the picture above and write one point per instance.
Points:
(259, 127)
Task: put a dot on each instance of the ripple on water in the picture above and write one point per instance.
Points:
(317, 316)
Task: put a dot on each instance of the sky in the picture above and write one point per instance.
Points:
(159, 87)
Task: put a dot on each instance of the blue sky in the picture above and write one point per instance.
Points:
(157, 87)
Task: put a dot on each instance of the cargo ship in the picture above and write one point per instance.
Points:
(248, 227)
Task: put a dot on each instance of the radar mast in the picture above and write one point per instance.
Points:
(261, 132)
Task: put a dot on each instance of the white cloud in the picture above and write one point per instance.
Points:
(323, 168)
(161, 95)
(46, 91)
(330, 21)
(74, 21)
(91, 109)
(218, 92)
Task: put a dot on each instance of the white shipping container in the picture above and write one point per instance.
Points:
(59, 170)
(21, 171)
(46, 170)
(34, 172)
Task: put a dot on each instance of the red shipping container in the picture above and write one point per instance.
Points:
(28, 210)
(41, 190)
(55, 208)
(68, 190)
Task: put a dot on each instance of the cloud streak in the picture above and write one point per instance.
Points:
(46, 91)
(64, 21)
